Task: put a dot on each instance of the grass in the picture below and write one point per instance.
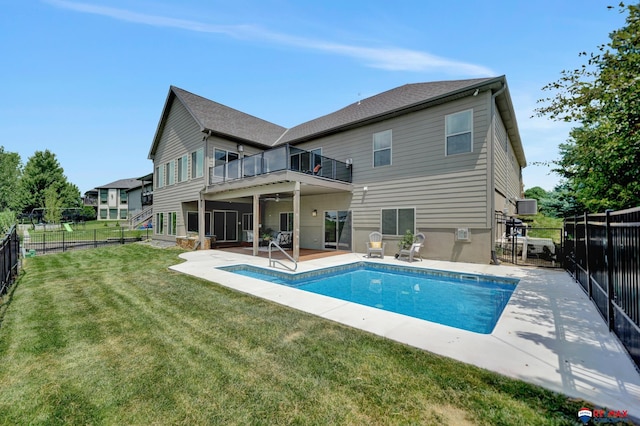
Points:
(111, 336)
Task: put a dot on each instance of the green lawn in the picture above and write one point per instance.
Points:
(111, 336)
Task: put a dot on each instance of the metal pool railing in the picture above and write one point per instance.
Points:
(603, 255)
(44, 242)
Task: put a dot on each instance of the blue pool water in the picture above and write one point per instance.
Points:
(466, 301)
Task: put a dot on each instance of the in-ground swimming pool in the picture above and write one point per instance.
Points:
(466, 301)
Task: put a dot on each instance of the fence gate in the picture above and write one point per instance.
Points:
(519, 244)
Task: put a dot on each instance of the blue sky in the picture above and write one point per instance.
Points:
(87, 79)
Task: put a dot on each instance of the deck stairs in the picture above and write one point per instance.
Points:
(141, 217)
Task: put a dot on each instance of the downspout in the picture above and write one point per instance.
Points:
(492, 208)
(201, 200)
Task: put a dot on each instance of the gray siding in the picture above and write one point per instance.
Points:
(447, 191)
(508, 181)
(181, 136)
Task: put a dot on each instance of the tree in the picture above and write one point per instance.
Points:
(10, 172)
(52, 204)
(536, 193)
(601, 159)
(41, 172)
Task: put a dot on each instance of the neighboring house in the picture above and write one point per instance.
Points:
(113, 199)
(140, 197)
(438, 158)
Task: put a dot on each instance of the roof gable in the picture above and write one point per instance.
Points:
(219, 119)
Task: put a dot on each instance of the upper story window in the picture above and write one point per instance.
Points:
(104, 195)
(123, 196)
(458, 131)
(159, 176)
(171, 172)
(183, 168)
(382, 148)
(197, 163)
(222, 157)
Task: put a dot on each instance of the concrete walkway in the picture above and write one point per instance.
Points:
(549, 334)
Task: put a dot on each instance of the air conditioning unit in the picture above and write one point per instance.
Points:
(527, 207)
(463, 234)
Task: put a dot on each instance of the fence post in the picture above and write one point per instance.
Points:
(95, 238)
(586, 253)
(63, 246)
(44, 241)
(609, 262)
(121, 235)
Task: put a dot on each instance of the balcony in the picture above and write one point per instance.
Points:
(279, 159)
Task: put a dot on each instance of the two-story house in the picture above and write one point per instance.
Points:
(438, 158)
(113, 199)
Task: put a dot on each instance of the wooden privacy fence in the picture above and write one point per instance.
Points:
(9, 262)
(604, 257)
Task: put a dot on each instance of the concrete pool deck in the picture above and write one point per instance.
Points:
(550, 334)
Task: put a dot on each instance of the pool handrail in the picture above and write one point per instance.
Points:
(272, 262)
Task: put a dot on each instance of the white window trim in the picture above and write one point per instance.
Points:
(446, 135)
(374, 150)
(396, 209)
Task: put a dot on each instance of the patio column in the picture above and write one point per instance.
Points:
(201, 225)
(296, 221)
(256, 223)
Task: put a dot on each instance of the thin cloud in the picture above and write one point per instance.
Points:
(390, 58)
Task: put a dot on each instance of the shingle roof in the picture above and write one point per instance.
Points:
(122, 184)
(221, 119)
(235, 124)
(400, 98)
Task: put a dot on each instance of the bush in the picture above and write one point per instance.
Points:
(7, 220)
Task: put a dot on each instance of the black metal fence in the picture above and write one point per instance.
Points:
(603, 255)
(43, 242)
(9, 262)
(519, 244)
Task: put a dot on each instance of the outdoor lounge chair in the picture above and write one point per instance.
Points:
(375, 245)
(414, 251)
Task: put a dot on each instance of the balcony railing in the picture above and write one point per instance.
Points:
(278, 159)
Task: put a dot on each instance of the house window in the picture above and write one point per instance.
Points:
(382, 148)
(173, 218)
(171, 172)
(123, 213)
(159, 225)
(103, 213)
(183, 168)
(398, 221)
(113, 214)
(104, 195)
(221, 159)
(123, 196)
(247, 221)
(159, 176)
(286, 221)
(197, 163)
(459, 133)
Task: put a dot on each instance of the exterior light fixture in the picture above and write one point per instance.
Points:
(314, 213)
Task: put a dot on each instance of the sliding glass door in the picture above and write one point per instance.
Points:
(337, 230)
(225, 225)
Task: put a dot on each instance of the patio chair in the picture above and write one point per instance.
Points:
(375, 245)
(414, 251)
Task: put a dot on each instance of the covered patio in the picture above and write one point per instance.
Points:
(285, 185)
